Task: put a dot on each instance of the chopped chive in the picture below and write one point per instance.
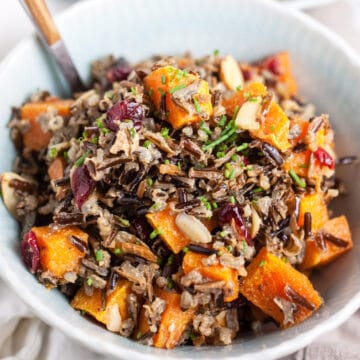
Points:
(89, 281)
(303, 166)
(167, 161)
(147, 143)
(170, 284)
(66, 155)
(214, 205)
(296, 179)
(94, 140)
(222, 121)
(155, 233)
(219, 140)
(139, 335)
(197, 105)
(164, 132)
(220, 154)
(244, 246)
(151, 92)
(177, 88)
(81, 159)
(238, 88)
(258, 190)
(185, 249)
(132, 132)
(124, 222)
(155, 206)
(261, 263)
(170, 259)
(150, 181)
(227, 173)
(53, 152)
(216, 52)
(109, 94)
(133, 90)
(161, 91)
(252, 99)
(179, 165)
(229, 248)
(232, 174)
(83, 312)
(163, 79)
(117, 251)
(222, 234)
(99, 256)
(242, 147)
(205, 129)
(232, 199)
(272, 128)
(192, 336)
(234, 157)
(84, 134)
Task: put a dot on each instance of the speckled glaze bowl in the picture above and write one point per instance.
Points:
(328, 73)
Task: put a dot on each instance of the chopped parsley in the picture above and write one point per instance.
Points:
(81, 159)
(99, 256)
(177, 88)
(164, 132)
(296, 179)
(147, 143)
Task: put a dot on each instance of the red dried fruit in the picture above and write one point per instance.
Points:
(273, 65)
(82, 185)
(324, 158)
(230, 212)
(118, 72)
(125, 110)
(30, 251)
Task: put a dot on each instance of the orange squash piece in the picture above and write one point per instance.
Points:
(166, 80)
(92, 304)
(315, 256)
(299, 162)
(58, 254)
(193, 261)
(315, 204)
(268, 278)
(275, 128)
(35, 138)
(173, 320)
(164, 222)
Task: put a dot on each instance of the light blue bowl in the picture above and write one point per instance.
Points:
(328, 72)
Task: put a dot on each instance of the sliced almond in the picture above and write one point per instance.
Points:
(255, 222)
(246, 117)
(113, 318)
(193, 228)
(230, 73)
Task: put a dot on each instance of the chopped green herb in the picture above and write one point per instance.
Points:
(253, 99)
(170, 284)
(84, 134)
(177, 88)
(222, 234)
(229, 248)
(238, 88)
(205, 129)
(244, 246)
(258, 190)
(147, 143)
(99, 256)
(197, 105)
(219, 253)
(53, 152)
(109, 94)
(100, 124)
(192, 336)
(220, 139)
(222, 121)
(220, 154)
(163, 79)
(179, 165)
(66, 155)
(139, 335)
(132, 132)
(272, 128)
(296, 179)
(214, 205)
(232, 199)
(124, 222)
(150, 181)
(242, 147)
(83, 312)
(170, 259)
(216, 52)
(164, 132)
(161, 91)
(117, 251)
(303, 166)
(155, 206)
(89, 281)
(94, 140)
(133, 90)
(151, 92)
(234, 157)
(285, 259)
(81, 159)
(167, 161)
(232, 174)
(155, 233)
(185, 249)
(261, 263)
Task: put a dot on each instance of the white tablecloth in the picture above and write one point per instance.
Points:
(24, 337)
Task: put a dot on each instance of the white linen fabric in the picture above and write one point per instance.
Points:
(24, 337)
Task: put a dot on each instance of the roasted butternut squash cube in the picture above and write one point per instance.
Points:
(298, 162)
(164, 222)
(58, 254)
(35, 138)
(193, 261)
(316, 256)
(271, 281)
(168, 81)
(92, 305)
(173, 320)
(315, 204)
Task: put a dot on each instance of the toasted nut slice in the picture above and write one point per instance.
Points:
(8, 192)
(170, 169)
(113, 318)
(230, 73)
(246, 117)
(193, 228)
(256, 222)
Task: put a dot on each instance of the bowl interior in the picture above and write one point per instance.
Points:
(328, 74)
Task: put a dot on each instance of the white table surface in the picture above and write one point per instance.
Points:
(342, 16)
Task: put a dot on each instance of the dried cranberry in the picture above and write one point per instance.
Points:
(230, 212)
(82, 185)
(273, 65)
(118, 72)
(125, 110)
(247, 74)
(30, 251)
(324, 158)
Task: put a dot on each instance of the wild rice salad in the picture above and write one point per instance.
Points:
(178, 200)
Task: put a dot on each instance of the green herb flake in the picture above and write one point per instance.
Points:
(109, 94)
(117, 251)
(155, 207)
(66, 155)
(81, 159)
(253, 99)
(151, 92)
(261, 263)
(83, 312)
(214, 205)
(150, 181)
(238, 88)
(232, 199)
(99, 256)
(163, 79)
(95, 140)
(272, 128)
(139, 335)
(177, 88)
(192, 336)
(89, 281)
(179, 165)
(161, 91)
(133, 90)
(222, 234)
(258, 190)
(147, 143)
(205, 129)
(297, 180)
(53, 152)
(216, 52)
(229, 248)
(197, 106)
(170, 260)
(124, 222)
(155, 233)
(185, 249)
(242, 147)
(222, 121)
(84, 134)
(244, 246)
(303, 166)
(220, 154)
(132, 132)
(164, 132)
(170, 284)
(167, 161)
(234, 157)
